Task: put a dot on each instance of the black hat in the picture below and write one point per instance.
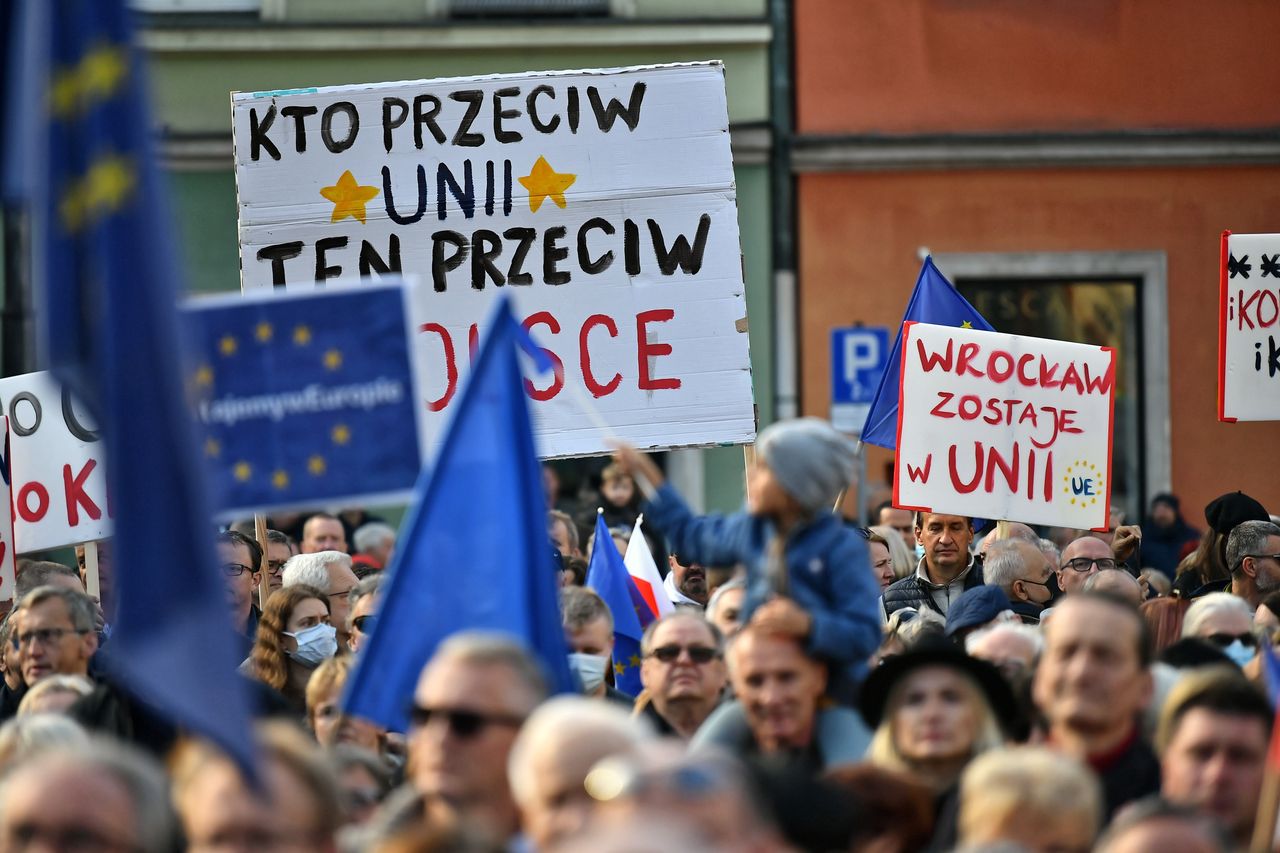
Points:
(1225, 512)
(880, 683)
(1168, 499)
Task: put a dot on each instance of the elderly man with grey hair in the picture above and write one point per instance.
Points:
(101, 794)
(1018, 567)
(1226, 621)
(553, 755)
(375, 541)
(329, 572)
(1253, 556)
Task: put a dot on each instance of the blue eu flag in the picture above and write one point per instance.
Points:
(608, 576)
(473, 553)
(305, 399)
(110, 283)
(935, 300)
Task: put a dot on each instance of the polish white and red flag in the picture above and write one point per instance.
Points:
(644, 571)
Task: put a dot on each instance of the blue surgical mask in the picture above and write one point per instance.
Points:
(1239, 653)
(589, 669)
(315, 644)
(919, 552)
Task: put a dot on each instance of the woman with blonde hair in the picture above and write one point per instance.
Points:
(904, 562)
(294, 637)
(935, 709)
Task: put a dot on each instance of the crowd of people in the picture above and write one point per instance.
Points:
(916, 684)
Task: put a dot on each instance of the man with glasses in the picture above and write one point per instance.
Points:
(683, 672)
(54, 633)
(1022, 573)
(280, 547)
(363, 601)
(1253, 556)
(238, 557)
(1082, 559)
(471, 699)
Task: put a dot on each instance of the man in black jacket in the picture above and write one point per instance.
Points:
(945, 571)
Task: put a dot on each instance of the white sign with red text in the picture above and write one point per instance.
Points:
(603, 201)
(57, 477)
(1249, 328)
(1005, 427)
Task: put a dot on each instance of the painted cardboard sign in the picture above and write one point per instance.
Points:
(57, 477)
(604, 199)
(1249, 328)
(1005, 426)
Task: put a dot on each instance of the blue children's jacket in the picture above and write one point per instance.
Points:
(828, 571)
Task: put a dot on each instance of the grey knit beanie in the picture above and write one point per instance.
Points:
(811, 460)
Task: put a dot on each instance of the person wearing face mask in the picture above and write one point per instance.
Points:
(294, 637)
(1226, 621)
(588, 632)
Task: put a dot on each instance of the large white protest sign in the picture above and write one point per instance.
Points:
(1004, 426)
(1249, 328)
(603, 200)
(57, 477)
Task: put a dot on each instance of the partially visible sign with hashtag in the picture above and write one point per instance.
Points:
(604, 201)
(1249, 328)
(305, 399)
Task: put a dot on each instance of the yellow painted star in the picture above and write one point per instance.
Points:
(619, 669)
(543, 182)
(348, 197)
(204, 376)
(316, 465)
(966, 325)
(228, 345)
(242, 471)
(634, 660)
(301, 336)
(332, 359)
(263, 332)
(212, 448)
(341, 434)
(280, 479)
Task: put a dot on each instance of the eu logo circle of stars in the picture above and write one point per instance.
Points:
(228, 347)
(1083, 469)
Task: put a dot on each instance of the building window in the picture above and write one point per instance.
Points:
(1114, 299)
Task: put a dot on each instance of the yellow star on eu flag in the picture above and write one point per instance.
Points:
(242, 471)
(348, 197)
(966, 325)
(301, 335)
(280, 479)
(619, 669)
(316, 465)
(634, 660)
(204, 376)
(227, 346)
(341, 434)
(332, 359)
(543, 182)
(263, 332)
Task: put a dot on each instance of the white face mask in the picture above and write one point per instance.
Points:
(315, 644)
(1239, 653)
(590, 670)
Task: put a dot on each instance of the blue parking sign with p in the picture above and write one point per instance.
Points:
(858, 357)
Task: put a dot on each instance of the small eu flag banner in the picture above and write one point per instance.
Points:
(305, 398)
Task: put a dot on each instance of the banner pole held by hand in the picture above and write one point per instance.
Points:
(264, 576)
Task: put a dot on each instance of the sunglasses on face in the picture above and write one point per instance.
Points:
(365, 624)
(698, 654)
(463, 724)
(1224, 640)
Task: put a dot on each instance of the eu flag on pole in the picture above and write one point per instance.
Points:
(608, 576)
(935, 300)
(109, 283)
(473, 553)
